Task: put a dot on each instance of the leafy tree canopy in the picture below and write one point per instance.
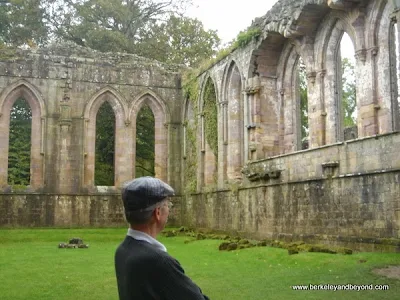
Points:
(20, 144)
(21, 23)
(349, 104)
(155, 29)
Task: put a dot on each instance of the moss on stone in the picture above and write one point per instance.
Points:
(8, 53)
(211, 117)
(232, 246)
(243, 241)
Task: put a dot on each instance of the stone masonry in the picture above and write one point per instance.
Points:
(345, 187)
(259, 182)
(65, 85)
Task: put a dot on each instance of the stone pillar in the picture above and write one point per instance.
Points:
(65, 170)
(367, 101)
(184, 141)
(247, 121)
(201, 159)
(317, 113)
(122, 159)
(4, 137)
(395, 19)
(254, 118)
(222, 144)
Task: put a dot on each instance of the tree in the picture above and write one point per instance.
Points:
(151, 28)
(19, 153)
(21, 23)
(145, 142)
(105, 141)
(303, 103)
(180, 40)
(349, 103)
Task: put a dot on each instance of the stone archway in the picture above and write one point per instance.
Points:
(121, 168)
(23, 89)
(234, 123)
(161, 118)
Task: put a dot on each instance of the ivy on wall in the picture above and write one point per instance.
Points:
(191, 91)
(191, 160)
(211, 117)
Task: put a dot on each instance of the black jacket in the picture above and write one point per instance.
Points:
(147, 273)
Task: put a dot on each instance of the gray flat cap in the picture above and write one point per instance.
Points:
(144, 192)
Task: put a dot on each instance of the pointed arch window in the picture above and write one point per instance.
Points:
(19, 150)
(22, 113)
(302, 106)
(209, 134)
(395, 73)
(234, 126)
(105, 145)
(145, 142)
(346, 102)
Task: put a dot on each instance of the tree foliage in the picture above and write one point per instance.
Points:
(19, 155)
(156, 29)
(211, 116)
(105, 144)
(180, 40)
(152, 28)
(21, 23)
(303, 103)
(349, 104)
(145, 142)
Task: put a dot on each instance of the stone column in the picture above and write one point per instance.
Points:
(254, 118)
(65, 170)
(395, 19)
(222, 144)
(317, 113)
(184, 141)
(247, 121)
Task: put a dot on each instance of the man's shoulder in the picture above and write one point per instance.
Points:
(139, 247)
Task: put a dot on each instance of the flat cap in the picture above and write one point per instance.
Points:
(144, 192)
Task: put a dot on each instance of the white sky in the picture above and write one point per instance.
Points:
(228, 17)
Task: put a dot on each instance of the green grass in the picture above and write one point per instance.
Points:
(32, 267)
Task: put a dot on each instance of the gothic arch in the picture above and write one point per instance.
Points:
(233, 118)
(33, 97)
(208, 159)
(118, 102)
(383, 40)
(90, 112)
(161, 118)
(289, 99)
(327, 51)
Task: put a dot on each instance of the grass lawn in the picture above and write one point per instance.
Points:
(32, 267)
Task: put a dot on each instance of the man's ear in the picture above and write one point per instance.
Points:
(157, 213)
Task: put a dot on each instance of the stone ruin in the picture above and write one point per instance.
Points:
(73, 243)
(252, 173)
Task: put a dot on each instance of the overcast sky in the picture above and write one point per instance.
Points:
(229, 17)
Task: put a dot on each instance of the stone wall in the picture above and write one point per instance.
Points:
(342, 192)
(41, 210)
(344, 188)
(346, 185)
(65, 85)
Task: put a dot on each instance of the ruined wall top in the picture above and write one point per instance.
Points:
(66, 52)
(286, 16)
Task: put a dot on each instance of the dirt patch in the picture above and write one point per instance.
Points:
(390, 272)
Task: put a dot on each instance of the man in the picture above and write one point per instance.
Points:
(143, 267)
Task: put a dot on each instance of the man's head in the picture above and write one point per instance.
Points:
(146, 200)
